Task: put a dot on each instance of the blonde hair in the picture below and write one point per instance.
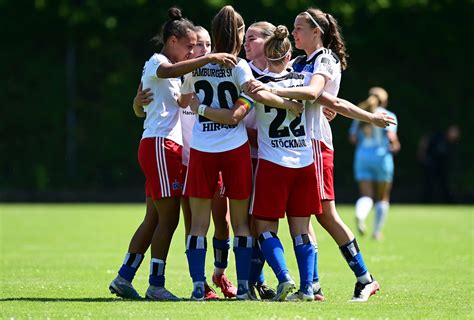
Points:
(278, 46)
(265, 28)
(377, 97)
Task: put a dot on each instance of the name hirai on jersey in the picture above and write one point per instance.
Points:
(282, 136)
(218, 87)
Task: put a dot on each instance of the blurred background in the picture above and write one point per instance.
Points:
(71, 70)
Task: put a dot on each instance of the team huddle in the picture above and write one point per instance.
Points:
(247, 143)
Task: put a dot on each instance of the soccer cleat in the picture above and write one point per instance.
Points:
(198, 292)
(227, 288)
(265, 292)
(302, 295)
(284, 289)
(361, 227)
(209, 293)
(318, 293)
(378, 236)
(160, 294)
(248, 295)
(362, 292)
(123, 288)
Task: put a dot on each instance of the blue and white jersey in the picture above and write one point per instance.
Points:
(326, 63)
(372, 140)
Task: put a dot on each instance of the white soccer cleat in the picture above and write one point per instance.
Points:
(362, 292)
(284, 289)
(123, 288)
(160, 294)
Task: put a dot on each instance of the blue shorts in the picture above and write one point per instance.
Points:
(373, 168)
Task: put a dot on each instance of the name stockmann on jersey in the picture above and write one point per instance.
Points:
(289, 144)
(209, 72)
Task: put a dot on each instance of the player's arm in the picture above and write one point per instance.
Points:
(350, 110)
(394, 142)
(253, 137)
(185, 99)
(178, 69)
(310, 92)
(222, 115)
(143, 98)
(270, 99)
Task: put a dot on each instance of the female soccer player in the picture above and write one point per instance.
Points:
(221, 148)
(373, 163)
(159, 155)
(317, 33)
(255, 37)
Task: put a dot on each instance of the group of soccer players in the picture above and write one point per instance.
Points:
(204, 112)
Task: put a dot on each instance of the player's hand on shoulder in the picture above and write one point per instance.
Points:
(329, 114)
(253, 86)
(226, 59)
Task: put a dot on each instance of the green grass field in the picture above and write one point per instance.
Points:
(57, 262)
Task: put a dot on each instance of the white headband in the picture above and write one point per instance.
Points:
(283, 56)
(314, 21)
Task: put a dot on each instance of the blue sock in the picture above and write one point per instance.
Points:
(354, 259)
(221, 252)
(315, 269)
(243, 253)
(196, 247)
(304, 251)
(256, 267)
(130, 265)
(274, 255)
(157, 272)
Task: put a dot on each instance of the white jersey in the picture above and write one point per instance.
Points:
(282, 137)
(162, 114)
(217, 87)
(188, 118)
(250, 119)
(323, 61)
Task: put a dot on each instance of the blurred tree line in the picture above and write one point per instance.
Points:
(71, 69)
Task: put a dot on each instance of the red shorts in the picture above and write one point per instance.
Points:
(280, 189)
(324, 164)
(219, 187)
(160, 160)
(204, 169)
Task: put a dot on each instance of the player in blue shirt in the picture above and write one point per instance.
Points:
(373, 162)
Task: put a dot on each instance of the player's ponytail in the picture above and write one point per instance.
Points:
(377, 97)
(278, 46)
(330, 32)
(226, 26)
(176, 26)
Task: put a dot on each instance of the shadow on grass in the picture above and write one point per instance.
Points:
(110, 300)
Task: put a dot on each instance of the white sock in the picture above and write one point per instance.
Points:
(381, 211)
(365, 278)
(363, 207)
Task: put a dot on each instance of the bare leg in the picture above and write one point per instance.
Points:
(141, 240)
(168, 215)
(333, 224)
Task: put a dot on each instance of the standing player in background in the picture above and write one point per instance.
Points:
(255, 37)
(317, 33)
(221, 148)
(373, 163)
(159, 155)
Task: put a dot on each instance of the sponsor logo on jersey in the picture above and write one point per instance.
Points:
(209, 72)
(326, 65)
(176, 185)
(289, 144)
